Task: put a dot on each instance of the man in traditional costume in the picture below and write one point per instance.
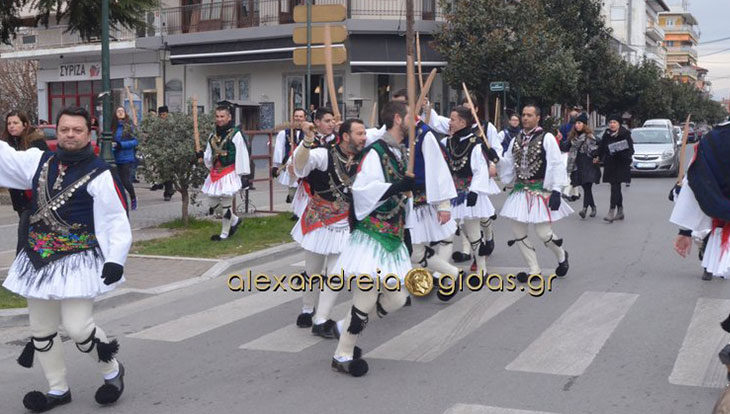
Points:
(468, 165)
(703, 204)
(432, 229)
(324, 123)
(534, 162)
(376, 246)
(324, 228)
(286, 141)
(75, 247)
(226, 156)
(441, 124)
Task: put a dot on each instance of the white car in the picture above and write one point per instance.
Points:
(658, 123)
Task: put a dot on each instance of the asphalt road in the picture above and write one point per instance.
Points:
(631, 329)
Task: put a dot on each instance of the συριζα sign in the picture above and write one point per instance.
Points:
(79, 71)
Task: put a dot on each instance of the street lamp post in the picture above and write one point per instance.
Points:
(106, 135)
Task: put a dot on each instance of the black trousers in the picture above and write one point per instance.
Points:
(617, 199)
(125, 174)
(169, 190)
(588, 195)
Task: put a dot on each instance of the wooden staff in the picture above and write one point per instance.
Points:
(374, 115)
(685, 134)
(330, 74)
(412, 107)
(474, 114)
(196, 133)
(497, 107)
(425, 89)
(418, 56)
(131, 106)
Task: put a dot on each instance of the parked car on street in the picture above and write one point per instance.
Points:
(49, 131)
(677, 134)
(653, 123)
(655, 151)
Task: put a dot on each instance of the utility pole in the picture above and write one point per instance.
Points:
(106, 85)
(308, 82)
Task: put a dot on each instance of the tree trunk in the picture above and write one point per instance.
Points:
(185, 204)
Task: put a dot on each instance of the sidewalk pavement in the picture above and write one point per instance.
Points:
(153, 275)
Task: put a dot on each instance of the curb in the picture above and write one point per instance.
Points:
(19, 316)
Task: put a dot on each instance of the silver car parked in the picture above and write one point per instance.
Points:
(655, 151)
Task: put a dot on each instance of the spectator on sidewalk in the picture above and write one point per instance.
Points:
(125, 142)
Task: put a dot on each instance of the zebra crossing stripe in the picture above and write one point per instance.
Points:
(697, 363)
(483, 409)
(198, 323)
(571, 343)
(292, 338)
(434, 336)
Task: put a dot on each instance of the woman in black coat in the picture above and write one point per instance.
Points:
(616, 151)
(582, 148)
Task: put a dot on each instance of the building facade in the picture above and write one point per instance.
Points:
(635, 29)
(681, 38)
(238, 51)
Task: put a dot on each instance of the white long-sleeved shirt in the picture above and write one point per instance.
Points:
(242, 160)
(111, 225)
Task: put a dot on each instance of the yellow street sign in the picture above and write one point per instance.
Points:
(339, 55)
(339, 34)
(321, 13)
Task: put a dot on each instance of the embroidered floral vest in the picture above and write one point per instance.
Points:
(62, 222)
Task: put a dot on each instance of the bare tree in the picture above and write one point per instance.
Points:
(18, 84)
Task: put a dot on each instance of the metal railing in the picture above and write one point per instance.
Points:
(54, 37)
(682, 28)
(224, 15)
(683, 49)
(261, 156)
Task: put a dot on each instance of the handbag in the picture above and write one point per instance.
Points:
(618, 146)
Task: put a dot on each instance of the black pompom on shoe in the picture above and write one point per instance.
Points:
(356, 367)
(563, 267)
(522, 277)
(304, 320)
(112, 389)
(38, 402)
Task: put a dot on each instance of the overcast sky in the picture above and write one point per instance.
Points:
(712, 16)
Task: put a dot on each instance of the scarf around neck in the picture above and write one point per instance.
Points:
(73, 157)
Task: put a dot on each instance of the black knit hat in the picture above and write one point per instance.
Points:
(614, 117)
(582, 118)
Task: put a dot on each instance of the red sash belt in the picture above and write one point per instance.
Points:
(216, 173)
(320, 212)
(725, 238)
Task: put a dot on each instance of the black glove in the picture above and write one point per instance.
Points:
(402, 186)
(554, 202)
(490, 153)
(111, 273)
(471, 199)
(674, 192)
(274, 172)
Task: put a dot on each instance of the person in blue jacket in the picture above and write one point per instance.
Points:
(125, 143)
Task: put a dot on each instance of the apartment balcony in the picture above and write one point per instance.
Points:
(683, 29)
(690, 73)
(39, 41)
(225, 15)
(682, 50)
(656, 54)
(654, 32)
